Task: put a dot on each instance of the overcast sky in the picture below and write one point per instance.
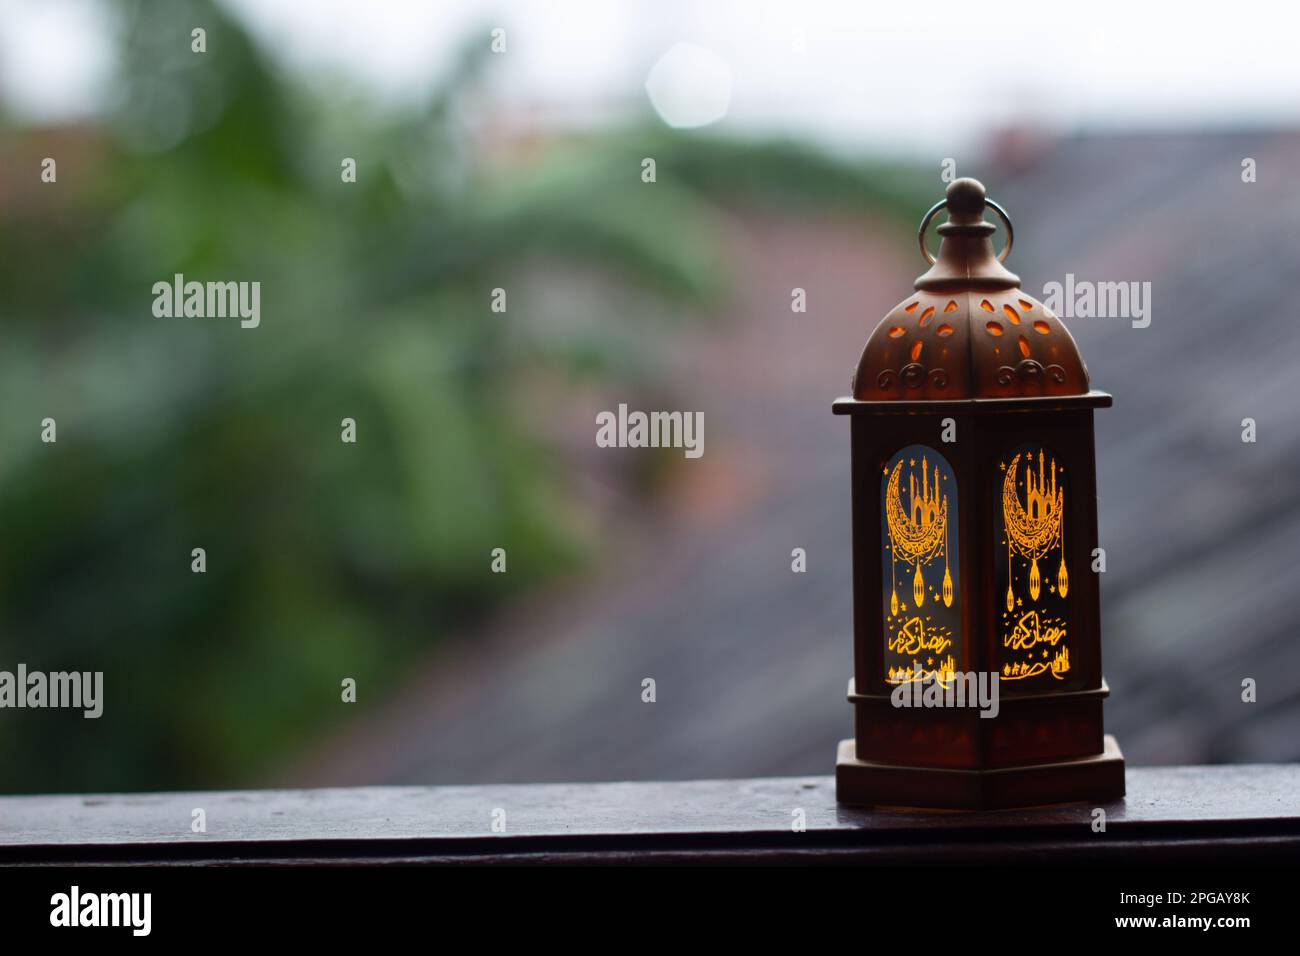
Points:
(908, 77)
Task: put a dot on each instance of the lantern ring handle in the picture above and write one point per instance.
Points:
(941, 204)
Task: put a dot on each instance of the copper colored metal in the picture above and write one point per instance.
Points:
(943, 204)
(969, 330)
(971, 355)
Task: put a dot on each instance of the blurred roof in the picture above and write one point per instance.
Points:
(750, 660)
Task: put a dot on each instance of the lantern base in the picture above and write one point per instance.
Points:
(1097, 778)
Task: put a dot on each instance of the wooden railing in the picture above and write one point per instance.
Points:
(1215, 814)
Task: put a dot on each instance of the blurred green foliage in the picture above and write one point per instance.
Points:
(324, 559)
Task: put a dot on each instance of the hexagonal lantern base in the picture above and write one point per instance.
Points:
(1099, 778)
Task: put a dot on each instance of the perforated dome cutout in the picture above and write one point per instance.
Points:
(968, 331)
(987, 345)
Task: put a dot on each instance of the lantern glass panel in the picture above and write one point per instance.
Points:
(1033, 577)
(921, 597)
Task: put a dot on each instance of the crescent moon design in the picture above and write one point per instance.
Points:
(1031, 537)
(912, 542)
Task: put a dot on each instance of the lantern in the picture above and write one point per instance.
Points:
(974, 524)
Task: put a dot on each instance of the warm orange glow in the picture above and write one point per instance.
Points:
(1041, 326)
(993, 328)
(1012, 314)
(1033, 526)
(945, 671)
(944, 330)
(921, 623)
(916, 351)
(895, 331)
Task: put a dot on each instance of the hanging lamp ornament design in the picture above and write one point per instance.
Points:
(921, 535)
(974, 519)
(922, 627)
(1035, 627)
(1035, 528)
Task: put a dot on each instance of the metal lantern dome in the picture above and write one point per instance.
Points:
(969, 330)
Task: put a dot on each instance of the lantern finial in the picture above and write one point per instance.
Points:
(966, 259)
(966, 200)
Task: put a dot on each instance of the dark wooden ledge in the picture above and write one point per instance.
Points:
(1174, 814)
